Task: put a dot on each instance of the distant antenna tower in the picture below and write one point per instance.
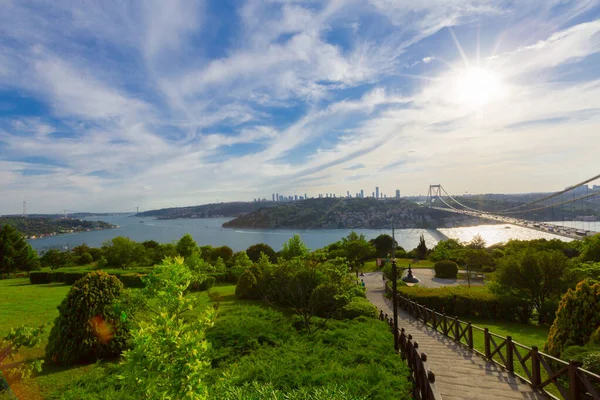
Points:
(65, 214)
(25, 209)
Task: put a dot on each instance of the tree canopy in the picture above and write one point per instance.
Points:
(15, 253)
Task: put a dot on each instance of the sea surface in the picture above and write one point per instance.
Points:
(208, 231)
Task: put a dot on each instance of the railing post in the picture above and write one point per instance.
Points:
(434, 320)
(424, 310)
(444, 324)
(470, 335)
(509, 354)
(486, 341)
(456, 330)
(574, 384)
(536, 377)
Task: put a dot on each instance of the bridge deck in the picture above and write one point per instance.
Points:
(460, 373)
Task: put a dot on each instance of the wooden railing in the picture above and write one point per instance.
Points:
(423, 377)
(556, 378)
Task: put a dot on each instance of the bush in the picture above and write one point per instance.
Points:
(577, 318)
(87, 328)
(488, 269)
(457, 301)
(69, 278)
(247, 286)
(85, 259)
(132, 280)
(201, 284)
(358, 307)
(591, 362)
(446, 269)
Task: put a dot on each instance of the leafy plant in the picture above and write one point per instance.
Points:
(446, 269)
(23, 336)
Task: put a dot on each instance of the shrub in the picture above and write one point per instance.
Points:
(247, 286)
(446, 269)
(69, 278)
(577, 318)
(463, 302)
(85, 259)
(38, 277)
(591, 362)
(87, 328)
(202, 283)
(358, 307)
(488, 269)
(131, 280)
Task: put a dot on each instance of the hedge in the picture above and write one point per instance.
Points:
(129, 279)
(464, 303)
(446, 269)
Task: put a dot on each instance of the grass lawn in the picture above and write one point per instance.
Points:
(400, 262)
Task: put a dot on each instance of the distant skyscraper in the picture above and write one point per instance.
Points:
(273, 196)
(277, 197)
(348, 193)
(305, 197)
(397, 193)
(376, 192)
(373, 194)
(362, 193)
(295, 197)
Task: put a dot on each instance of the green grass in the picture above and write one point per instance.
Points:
(371, 266)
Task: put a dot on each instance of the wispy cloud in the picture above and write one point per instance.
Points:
(109, 105)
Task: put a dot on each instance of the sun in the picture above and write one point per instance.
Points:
(476, 87)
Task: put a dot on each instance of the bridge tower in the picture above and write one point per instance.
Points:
(25, 209)
(433, 192)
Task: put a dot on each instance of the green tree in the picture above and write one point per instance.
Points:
(356, 249)
(186, 246)
(421, 249)
(55, 259)
(15, 253)
(170, 354)
(224, 252)
(384, 245)
(476, 243)
(255, 251)
(122, 252)
(590, 249)
(241, 262)
(294, 247)
(80, 250)
(533, 275)
(446, 250)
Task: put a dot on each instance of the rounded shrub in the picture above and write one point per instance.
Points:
(88, 328)
(358, 307)
(247, 286)
(446, 269)
(85, 259)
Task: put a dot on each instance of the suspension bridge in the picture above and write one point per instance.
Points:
(578, 203)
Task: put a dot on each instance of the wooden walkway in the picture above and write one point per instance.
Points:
(459, 372)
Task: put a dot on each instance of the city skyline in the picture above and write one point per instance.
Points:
(105, 106)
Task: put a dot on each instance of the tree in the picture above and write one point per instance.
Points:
(80, 250)
(241, 262)
(421, 248)
(122, 252)
(476, 243)
(384, 245)
(533, 275)
(446, 250)
(224, 252)
(169, 358)
(590, 249)
(356, 249)
(55, 259)
(255, 250)
(186, 246)
(577, 318)
(294, 247)
(15, 253)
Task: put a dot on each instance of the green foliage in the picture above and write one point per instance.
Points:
(259, 391)
(15, 253)
(254, 346)
(590, 249)
(223, 252)
(87, 328)
(85, 259)
(446, 250)
(256, 250)
(358, 307)
(537, 276)
(55, 259)
(247, 286)
(591, 362)
(446, 269)
(122, 252)
(461, 301)
(202, 284)
(585, 271)
(384, 245)
(23, 336)
(577, 318)
(355, 249)
(241, 262)
(293, 248)
(186, 246)
(421, 249)
(169, 358)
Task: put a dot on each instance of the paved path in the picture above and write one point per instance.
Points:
(459, 373)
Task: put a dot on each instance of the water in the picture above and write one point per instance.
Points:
(209, 231)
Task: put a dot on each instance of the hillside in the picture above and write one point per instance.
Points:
(34, 227)
(331, 213)
(233, 209)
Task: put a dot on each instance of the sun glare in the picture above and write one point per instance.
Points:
(476, 87)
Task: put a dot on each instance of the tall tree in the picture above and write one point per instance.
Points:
(356, 249)
(15, 253)
(421, 248)
(186, 246)
(255, 250)
(121, 252)
(384, 244)
(294, 247)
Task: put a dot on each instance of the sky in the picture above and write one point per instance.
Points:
(110, 105)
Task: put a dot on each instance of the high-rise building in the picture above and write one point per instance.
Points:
(362, 194)
(305, 197)
(397, 193)
(348, 193)
(277, 197)
(295, 197)
(376, 192)
(373, 194)
(273, 196)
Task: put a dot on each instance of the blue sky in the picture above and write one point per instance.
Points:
(109, 105)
